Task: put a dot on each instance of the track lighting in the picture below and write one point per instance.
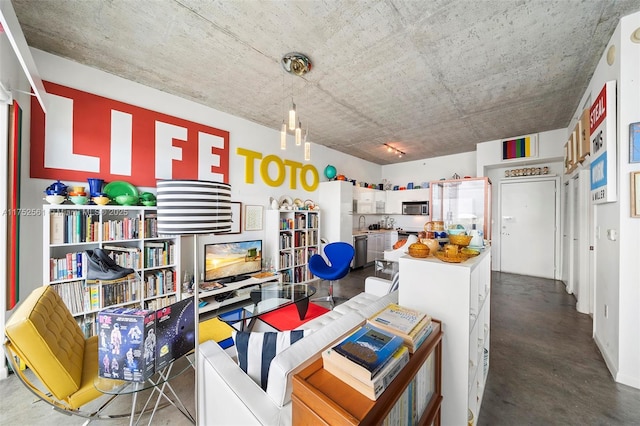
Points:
(394, 150)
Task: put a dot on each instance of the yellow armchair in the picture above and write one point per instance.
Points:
(43, 334)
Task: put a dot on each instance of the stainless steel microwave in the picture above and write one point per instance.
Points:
(415, 207)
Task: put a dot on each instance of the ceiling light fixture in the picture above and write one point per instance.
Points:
(394, 150)
(298, 65)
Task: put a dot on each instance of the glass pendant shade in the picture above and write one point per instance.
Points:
(298, 134)
(292, 117)
(283, 136)
(307, 151)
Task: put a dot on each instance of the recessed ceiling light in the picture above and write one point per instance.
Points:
(635, 36)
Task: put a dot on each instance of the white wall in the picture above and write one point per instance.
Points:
(430, 169)
(616, 261)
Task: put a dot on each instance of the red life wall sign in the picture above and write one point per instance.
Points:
(88, 136)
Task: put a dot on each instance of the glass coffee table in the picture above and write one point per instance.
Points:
(159, 384)
(269, 298)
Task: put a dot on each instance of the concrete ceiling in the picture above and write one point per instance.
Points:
(429, 77)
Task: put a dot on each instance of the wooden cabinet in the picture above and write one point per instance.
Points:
(320, 398)
(292, 237)
(458, 294)
(129, 235)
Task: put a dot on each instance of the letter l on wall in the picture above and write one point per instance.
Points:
(58, 152)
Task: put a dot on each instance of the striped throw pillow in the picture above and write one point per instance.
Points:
(256, 350)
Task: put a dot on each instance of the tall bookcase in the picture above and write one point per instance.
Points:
(292, 237)
(129, 235)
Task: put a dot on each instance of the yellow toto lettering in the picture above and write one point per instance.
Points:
(251, 156)
(264, 170)
(303, 177)
(295, 167)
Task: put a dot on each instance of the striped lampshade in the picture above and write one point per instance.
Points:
(193, 207)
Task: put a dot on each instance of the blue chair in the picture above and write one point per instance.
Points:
(339, 255)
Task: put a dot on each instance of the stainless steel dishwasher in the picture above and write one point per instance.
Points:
(360, 246)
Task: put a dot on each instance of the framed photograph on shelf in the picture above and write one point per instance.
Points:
(253, 218)
(236, 218)
(634, 143)
(635, 194)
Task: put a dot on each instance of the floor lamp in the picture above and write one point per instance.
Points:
(193, 207)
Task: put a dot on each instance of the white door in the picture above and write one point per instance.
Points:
(528, 228)
(567, 246)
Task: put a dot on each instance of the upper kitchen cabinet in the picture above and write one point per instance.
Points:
(463, 201)
(396, 198)
(369, 200)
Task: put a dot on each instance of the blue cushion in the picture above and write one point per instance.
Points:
(256, 350)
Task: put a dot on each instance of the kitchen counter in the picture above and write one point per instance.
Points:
(372, 231)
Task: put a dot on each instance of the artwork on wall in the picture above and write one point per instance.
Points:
(518, 148)
(84, 135)
(253, 218)
(634, 143)
(602, 131)
(635, 194)
(236, 218)
(13, 204)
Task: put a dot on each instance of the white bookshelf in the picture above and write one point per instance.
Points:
(291, 238)
(129, 235)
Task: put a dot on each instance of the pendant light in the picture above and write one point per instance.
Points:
(283, 136)
(292, 116)
(307, 146)
(298, 65)
(298, 134)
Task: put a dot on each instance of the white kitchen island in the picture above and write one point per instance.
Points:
(458, 294)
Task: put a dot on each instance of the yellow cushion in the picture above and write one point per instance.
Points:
(87, 391)
(49, 341)
(214, 329)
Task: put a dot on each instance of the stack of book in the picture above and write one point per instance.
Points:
(368, 360)
(413, 326)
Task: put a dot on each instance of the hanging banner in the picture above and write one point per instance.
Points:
(602, 125)
(88, 136)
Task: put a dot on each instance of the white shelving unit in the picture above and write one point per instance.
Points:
(232, 293)
(458, 294)
(129, 235)
(292, 237)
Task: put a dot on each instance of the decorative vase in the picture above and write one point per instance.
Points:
(95, 186)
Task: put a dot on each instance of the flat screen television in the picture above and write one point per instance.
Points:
(232, 261)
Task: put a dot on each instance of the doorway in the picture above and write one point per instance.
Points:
(529, 214)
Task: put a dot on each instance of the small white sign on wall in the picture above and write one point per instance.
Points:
(602, 124)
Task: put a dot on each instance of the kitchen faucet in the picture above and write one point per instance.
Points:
(362, 221)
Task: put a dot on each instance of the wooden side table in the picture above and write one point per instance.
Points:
(320, 398)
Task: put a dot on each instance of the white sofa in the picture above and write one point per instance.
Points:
(228, 396)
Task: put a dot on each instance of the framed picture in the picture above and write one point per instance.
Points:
(236, 218)
(253, 218)
(634, 143)
(635, 194)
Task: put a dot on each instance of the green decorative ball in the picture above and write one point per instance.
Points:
(330, 171)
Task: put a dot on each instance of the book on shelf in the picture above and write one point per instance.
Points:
(210, 285)
(373, 388)
(407, 323)
(364, 353)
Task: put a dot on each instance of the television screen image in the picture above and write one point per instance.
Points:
(232, 261)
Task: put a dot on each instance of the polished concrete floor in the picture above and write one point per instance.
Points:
(545, 368)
